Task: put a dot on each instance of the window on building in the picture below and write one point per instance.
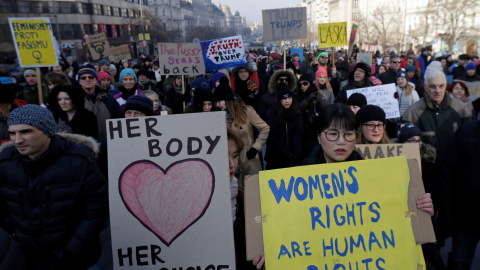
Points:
(116, 12)
(354, 16)
(6, 7)
(65, 7)
(131, 13)
(97, 9)
(67, 31)
(82, 8)
(124, 12)
(107, 10)
(5, 34)
(23, 7)
(36, 7)
(355, 3)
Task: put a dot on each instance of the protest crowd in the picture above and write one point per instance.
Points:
(282, 111)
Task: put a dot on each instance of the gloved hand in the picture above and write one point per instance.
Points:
(311, 97)
(252, 87)
(252, 152)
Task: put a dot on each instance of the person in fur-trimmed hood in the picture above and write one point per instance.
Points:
(52, 191)
(268, 99)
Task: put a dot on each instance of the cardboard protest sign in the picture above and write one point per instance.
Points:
(365, 58)
(34, 41)
(180, 59)
(120, 53)
(98, 46)
(382, 96)
(353, 34)
(169, 192)
(338, 216)
(253, 212)
(373, 151)
(473, 89)
(223, 53)
(332, 34)
(284, 24)
(299, 51)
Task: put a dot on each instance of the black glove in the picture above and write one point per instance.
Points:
(252, 153)
(311, 97)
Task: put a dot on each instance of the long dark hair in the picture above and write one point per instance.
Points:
(75, 95)
(284, 114)
(337, 114)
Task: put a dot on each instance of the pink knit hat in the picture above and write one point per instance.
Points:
(102, 75)
(320, 71)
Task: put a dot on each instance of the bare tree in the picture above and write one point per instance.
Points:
(385, 25)
(366, 32)
(456, 19)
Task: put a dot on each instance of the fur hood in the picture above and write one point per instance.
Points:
(272, 84)
(73, 138)
(429, 153)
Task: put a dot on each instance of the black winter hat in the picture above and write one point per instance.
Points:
(306, 77)
(142, 72)
(357, 99)
(140, 103)
(406, 131)
(283, 91)
(370, 113)
(223, 91)
(201, 95)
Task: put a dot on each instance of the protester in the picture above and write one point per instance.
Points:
(245, 119)
(245, 83)
(356, 101)
(158, 107)
(284, 143)
(36, 161)
(406, 94)
(372, 125)
(460, 70)
(333, 76)
(175, 97)
(268, 99)
(31, 92)
(7, 98)
(359, 78)
(128, 88)
(214, 80)
(105, 82)
(414, 77)
(390, 76)
(460, 91)
(470, 73)
(323, 85)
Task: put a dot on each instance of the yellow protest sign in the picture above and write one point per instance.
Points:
(348, 215)
(34, 41)
(332, 34)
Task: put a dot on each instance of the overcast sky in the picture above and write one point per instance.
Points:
(252, 9)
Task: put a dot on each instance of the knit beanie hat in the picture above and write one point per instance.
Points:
(410, 68)
(375, 81)
(112, 67)
(127, 71)
(470, 66)
(406, 131)
(29, 71)
(35, 116)
(223, 91)
(215, 77)
(275, 55)
(401, 74)
(322, 54)
(278, 66)
(102, 75)
(200, 82)
(104, 62)
(283, 91)
(139, 103)
(200, 95)
(306, 77)
(321, 71)
(357, 99)
(87, 69)
(370, 113)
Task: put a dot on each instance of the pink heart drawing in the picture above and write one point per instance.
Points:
(167, 202)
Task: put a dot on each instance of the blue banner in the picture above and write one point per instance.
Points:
(223, 53)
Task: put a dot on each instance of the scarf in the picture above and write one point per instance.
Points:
(358, 84)
(233, 194)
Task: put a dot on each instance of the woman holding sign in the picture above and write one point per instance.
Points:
(244, 120)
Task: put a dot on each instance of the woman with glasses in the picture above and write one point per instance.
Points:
(372, 123)
(336, 133)
(358, 78)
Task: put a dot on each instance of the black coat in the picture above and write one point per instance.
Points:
(389, 76)
(284, 143)
(174, 100)
(84, 122)
(57, 204)
(11, 255)
(342, 95)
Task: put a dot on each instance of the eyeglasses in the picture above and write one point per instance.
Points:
(304, 83)
(333, 135)
(87, 77)
(373, 126)
(396, 62)
(414, 141)
(283, 80)
(324, 57)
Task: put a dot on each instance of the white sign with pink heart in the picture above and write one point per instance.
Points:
(170, 193)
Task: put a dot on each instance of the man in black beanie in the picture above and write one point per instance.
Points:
(138, 106)
(356, 101)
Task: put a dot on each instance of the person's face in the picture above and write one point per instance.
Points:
(65, 102)
(243, 74)
(105, 83)
(471, 72)
(283, 79)
(458, 92)
(386, 61)
(416, 139)
(126, 64)
(436, 89)
(51, 85)
(217, 83)
(409, 62)
(57, 69)
(304, 85)
(97, 68)
(395, 63)
(113, 72)
(233, 156)
(156, 101)
(340, 149)
(87, 81)
(29, 141)
(105, 68)
(323, 60)
(142, 78)
(322, 79)
(444, 63)
(296, 58)
(128, 81)
(31, 79)
(381, 70)
(221, 105)
(314, 61)
(207, 106)
(401, 82)
(462, 62)
(178, 81)
(286, 102)
(133, 114)
(354, 108)
(373, 131)
(359, 75)
(410, 74)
